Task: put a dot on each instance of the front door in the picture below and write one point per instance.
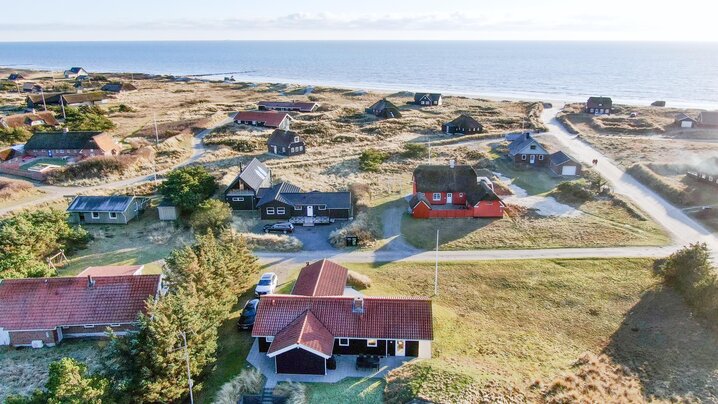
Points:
(310, 211)
(274, 149)
(532, 159)
(390, 347)
(400, 348)
(449, 198)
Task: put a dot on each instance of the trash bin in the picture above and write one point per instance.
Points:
(352, 241)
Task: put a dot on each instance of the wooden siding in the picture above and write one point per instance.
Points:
(25, 338)
(104, 217)
(538, 162)
(290, 211)
(300, 362)
(287, 151)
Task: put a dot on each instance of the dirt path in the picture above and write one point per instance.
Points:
(391, 222)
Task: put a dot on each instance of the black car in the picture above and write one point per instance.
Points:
(246, 319)
(282, 227)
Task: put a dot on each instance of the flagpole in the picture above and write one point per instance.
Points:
(436, 268)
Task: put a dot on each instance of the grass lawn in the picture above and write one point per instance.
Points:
(601, 225)
(348, 391)
(533, 181)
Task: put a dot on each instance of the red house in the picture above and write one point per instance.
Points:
(453, 191)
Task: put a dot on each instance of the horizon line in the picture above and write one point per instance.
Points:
(694, 41)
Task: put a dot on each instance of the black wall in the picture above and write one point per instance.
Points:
(247, 204)
(263, 344)
(358, 347)
(291, 212)
(287, 150)
(300, 362)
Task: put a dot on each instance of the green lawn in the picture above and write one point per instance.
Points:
(348, 391)
(533, 181)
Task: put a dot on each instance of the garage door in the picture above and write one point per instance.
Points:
(568, 170)
(686, 124)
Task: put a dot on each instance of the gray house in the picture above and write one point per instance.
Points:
(105, 209)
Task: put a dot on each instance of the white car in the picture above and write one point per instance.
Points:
(266, 285)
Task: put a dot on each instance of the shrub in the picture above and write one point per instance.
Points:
(87, 118)
(211, 214)
(415, 150)
(362, 226)
(690, 271)
(124, 108)
(574, 191)
(249, 381)
(358, 281)
(10, 136)
(187, 187)
(295, 393)
(238, 145)
(371, 159)
(272, 242)
(94, 167)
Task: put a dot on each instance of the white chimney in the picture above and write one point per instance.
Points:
(452, 163)
(358, 305)
(90, 281)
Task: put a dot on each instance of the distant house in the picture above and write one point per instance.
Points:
(285, 143)
(111, 270)
(428, 99)
(76, 73)
(706, 171)
(527, 151)
(453, 191)
(44, 311)
(15, 77)
(462, 125)
(285, 201)
(708, 119)
(116, 209)
(244, 192)
(302, 331)
(285, 106)
(118, 87)
(38, 101)
(384, 109)
(269, 119)
(684, 121)
(562, 164)
(74, 144)
(29, 120)
(599, 105)
(80, 99)
(31, 87)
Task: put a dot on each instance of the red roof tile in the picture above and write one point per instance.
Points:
(46, 303)
(390, 318)
(271, 119)
(307, 331)
(322, 278)
(112, 270)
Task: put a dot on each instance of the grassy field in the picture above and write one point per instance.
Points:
(348, 391)
(600, 225)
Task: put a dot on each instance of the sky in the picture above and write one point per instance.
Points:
(138, 20)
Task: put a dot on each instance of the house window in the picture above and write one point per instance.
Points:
(88, 326)
(296, 139)
(291, 149)
(113, 215)
(235, 199)
(523, 157)
(436, 196)
(269, 339)
(280, 211)
(533, 147)
(284, 149)
(540, 156)
(591, 110)
(343, 341)
(461, 194)
(371, 343)
(322, 207)
(114, 325)
(95, 215)
(270, 211)
(297, 207)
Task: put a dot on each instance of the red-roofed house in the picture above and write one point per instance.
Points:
(44, 311)
(302, 331)
(268, 119)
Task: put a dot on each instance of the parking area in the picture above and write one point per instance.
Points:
(315, 238)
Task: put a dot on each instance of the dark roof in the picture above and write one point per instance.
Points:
(275, 192)
(599, 102)
(384, 108)
(523, 142)
(466, 122)
(79, 98)
(417, 198)
(46, 303)
(50, 98)
(71, 141)
(100, 203)
(434, 97)
(291, 195)
(302, 106)
(560, 158)
(708, 117)
(305, 331)
(271, 119)
(15, 76)
(461, 178)
(256, 174)
(283, 138)
(75, 69)
(322, 278)
(382, 317)
(684, 117)
(118, 87)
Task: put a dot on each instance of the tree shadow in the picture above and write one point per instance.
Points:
(672, 352)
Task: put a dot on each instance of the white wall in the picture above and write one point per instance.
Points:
(424, 349)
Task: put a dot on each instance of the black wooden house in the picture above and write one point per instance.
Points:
(286, 201)
(285, 143)
(244, 192)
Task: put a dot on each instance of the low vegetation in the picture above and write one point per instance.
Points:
(86, 118)
(249, 381)
(101, 167)
(11, 189)
(358, 281)
(415, 150)
(365, 226)
(293, 393)
(372, 159)
(13, 136)
(273, 242)
(211, 215)
(644, 174)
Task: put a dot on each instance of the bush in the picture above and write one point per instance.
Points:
(124, 108)
(238, 145)
(295, 393)
(358, 281)
(272, 242)
(371, 159)
(249, 381)
(11, 136)
(415, 150)
(690, 271)
(187, 187)
(574, 191)
(362, 226)
(211, 214)
(94, 167)
(86, 118)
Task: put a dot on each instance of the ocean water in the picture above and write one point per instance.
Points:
(683, 74)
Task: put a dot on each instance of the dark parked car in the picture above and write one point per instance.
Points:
(282, 227)
(246, 319)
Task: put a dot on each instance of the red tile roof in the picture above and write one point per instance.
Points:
(112, 270)
(322, 278)
(46, 303)
(307, 331)
(383, 317)
(271, 119)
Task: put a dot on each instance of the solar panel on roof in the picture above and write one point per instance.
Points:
(261, 172)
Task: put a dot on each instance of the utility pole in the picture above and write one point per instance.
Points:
(62, 105)
(42, 94)
(157, 145)
(189, 373)
(436, 268)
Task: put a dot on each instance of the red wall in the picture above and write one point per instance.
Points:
(457, 198)
(489, 209)
(483, 209)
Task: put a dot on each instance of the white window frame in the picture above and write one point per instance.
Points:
(343, 341)
(322, 207)
(297, 207)
(281, 211)
(115, 325)
(237, 199)
(523, 157)
(95, 215)
(270, 211)
(540, 156)
(88, 326)
(434, 196)
(269, 339)
(113, 215)
(461, 194)
(372, 343)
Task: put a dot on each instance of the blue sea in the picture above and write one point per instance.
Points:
(683, 74)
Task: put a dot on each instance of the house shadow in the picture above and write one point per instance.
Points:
(671, 351)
